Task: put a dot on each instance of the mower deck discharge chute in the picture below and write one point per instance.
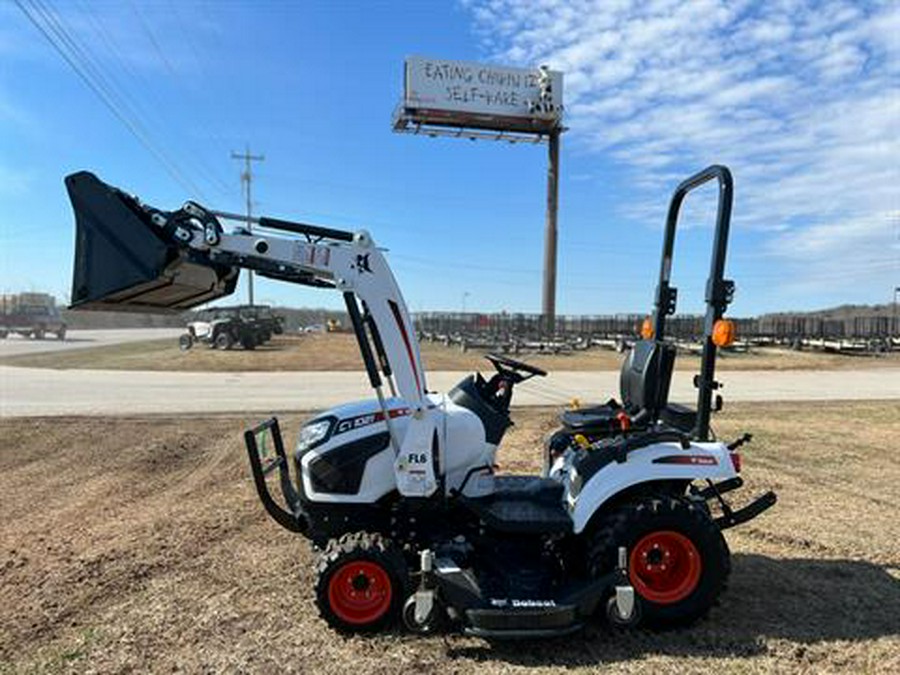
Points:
(399, 493)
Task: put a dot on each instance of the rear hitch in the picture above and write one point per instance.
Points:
(730, 518)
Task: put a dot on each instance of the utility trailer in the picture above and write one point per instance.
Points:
(32, 315)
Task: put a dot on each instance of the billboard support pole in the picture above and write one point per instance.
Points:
(550, 234)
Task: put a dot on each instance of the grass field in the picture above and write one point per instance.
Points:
(138, 544)
(339, 352)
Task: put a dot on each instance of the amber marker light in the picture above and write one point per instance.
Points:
(724, 333)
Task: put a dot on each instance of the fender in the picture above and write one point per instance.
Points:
(661, 461)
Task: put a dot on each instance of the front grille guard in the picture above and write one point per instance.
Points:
(262, 463)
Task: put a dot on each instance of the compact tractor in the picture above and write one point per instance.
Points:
(400, 495)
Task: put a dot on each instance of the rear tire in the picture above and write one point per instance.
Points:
(248, 342)
(361, 583)
(678, 560)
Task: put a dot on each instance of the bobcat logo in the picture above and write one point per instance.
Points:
(362, 263)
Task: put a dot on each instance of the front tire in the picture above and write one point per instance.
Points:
(678, 561)
(361, 583)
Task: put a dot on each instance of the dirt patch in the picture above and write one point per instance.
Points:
(329, 352)
(138, 544)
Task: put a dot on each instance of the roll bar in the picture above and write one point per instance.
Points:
(719, 291)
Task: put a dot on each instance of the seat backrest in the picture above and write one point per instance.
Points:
(646, 376)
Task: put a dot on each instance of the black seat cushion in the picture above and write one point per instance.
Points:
(594, 419)
(644, 383)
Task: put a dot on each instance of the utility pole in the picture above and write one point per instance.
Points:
(549, 294)
(246, 182)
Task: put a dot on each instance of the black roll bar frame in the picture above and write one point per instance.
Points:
(719, 291)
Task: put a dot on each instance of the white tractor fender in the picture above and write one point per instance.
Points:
(661, 461)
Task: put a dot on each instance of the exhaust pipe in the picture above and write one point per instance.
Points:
(127, 260)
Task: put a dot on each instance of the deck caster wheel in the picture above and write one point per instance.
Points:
(614, 614)
(430, 624)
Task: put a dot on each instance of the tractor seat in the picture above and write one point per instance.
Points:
(589, 419)
(643, 385)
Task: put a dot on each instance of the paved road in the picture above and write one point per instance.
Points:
(33, 391)
(79, 339)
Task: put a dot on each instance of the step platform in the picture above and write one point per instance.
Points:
(523, 505)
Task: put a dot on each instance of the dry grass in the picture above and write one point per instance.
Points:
(339, 352)
(136, 545)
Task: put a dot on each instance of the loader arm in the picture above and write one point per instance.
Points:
(133, 257)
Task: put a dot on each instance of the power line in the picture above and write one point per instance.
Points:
(43, 18)
(211, 172)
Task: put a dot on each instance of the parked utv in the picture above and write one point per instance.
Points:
(220, 328)
(264, 321)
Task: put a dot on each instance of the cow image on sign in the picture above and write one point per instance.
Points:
(479, 96)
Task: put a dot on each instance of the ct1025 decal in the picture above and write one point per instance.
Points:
(361, 421)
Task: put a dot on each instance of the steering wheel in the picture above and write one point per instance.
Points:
(506, 365)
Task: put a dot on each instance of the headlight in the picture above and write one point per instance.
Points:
(312, 434)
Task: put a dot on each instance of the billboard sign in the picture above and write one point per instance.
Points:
(462, 93)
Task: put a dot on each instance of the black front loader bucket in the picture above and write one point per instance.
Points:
(126, 262)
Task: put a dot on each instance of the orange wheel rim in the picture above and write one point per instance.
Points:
(360, 592)
(665, 567)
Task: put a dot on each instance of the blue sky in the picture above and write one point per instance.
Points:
(799, 99)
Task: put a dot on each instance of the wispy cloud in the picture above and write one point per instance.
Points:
(800, 98)
(15, 181)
